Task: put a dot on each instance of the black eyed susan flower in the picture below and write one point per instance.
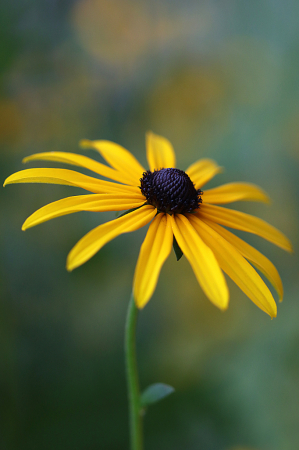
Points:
(178, 211)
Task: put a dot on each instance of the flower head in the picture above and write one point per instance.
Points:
(178, 211)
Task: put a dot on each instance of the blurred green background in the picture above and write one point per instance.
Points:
(220, 80)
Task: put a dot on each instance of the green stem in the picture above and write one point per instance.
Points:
(132, 378)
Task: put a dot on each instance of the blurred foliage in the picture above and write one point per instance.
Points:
(220, 80)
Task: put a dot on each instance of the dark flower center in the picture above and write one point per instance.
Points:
(170, 191)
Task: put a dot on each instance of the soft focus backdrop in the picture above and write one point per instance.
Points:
(220, 80)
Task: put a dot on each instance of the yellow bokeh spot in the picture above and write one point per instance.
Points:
(112, 31)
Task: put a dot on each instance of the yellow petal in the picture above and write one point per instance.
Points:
(254, 256)
(119, 158)
(81, 161)
(93, 241)
(203, 171)
(153, 253)
(92, 202)
(232, 192)
(70, 178)
(236, 267)
(159, 152)
(245, 222)
(202, 260)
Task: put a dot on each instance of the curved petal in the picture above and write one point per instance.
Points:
(153, 253)
(202, 260)
(93, 241)
(81, 161)
(236, 267)
(232, 192)
(159, 152)
(254, 256)
(245, 222)
(69, 178)
(119, 158)
(92, 202)
(203, 171)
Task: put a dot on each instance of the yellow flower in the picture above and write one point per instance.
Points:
(179, 212)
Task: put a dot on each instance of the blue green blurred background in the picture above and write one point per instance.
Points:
(219, 80)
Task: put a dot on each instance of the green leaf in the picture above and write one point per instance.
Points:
(154, 393)
(177, 249)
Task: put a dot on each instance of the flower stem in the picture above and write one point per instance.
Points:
(132, 378)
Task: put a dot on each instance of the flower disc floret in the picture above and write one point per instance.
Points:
(170, 191)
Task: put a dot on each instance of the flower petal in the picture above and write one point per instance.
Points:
(153, 253)
(232, 192)
(254, 256)
(245, 222)
(203, 171)
(93, 241)
(70, 178)
(202, 260)
(159, 152)
(236, 267)
(81, 161)
(92, 202)
(119, 158)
